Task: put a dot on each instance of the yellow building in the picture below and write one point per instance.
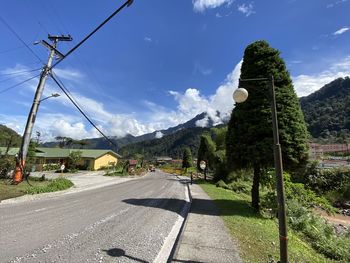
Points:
(90, 159)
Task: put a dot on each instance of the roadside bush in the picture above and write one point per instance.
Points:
(240, 187)
(222, 184)
(324, 180)
(6, 165)
(306, 197)
(240, 175)
(51, 167)
(319, 233)
(58, 184)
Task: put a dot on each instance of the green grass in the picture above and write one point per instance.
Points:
(7, 190)
(257, 237)
(58, 184)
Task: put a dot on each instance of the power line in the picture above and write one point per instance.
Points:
(20, 83)
(20, 72)
(19, 38)
(65, 91)
(127, 3)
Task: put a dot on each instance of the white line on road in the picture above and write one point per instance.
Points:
(169, 241)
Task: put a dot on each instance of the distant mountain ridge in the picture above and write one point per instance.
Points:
(102, 143)
(327, 111)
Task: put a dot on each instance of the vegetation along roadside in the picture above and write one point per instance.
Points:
(8, 190)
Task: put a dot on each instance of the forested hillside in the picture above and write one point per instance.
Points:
(327, 111)
(9, 136)
(171, 145)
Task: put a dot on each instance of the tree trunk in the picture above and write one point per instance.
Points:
(255, 188)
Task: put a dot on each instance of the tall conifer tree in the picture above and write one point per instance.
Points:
(249, 142)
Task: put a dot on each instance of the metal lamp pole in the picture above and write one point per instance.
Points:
(278, 170)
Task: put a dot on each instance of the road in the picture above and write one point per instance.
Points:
(134, 221)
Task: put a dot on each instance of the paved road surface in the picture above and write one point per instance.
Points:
(128, 222)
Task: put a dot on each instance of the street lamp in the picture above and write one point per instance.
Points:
(240, 95)
(55, 95)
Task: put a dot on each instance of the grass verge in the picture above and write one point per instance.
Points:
(57, 184)
(257, 237)
(7, 190)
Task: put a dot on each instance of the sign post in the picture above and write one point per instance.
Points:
(203, 166)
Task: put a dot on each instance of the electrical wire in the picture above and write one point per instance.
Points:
(127, 3)
(20, 83)
(19, 38)
(66, 92)
(20, 72)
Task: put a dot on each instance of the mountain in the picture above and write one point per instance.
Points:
(9, 137)
(327, 111)
(171, 145)
(102, 143)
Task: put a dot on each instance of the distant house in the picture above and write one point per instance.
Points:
(317, 150)
(132, 165)
(91, 159)
(163, 160)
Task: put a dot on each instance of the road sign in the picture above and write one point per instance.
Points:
(202, 165)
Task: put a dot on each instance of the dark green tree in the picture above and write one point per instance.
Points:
(206, 150)
(249, 141)
(187, 158)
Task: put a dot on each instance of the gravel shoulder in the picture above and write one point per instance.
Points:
(83, 181)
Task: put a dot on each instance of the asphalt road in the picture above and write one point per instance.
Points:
(133, 221)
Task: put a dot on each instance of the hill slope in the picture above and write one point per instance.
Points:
(169, 145)
(9, 136)
(327, 111)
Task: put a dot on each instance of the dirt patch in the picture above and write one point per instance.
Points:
(334, 219)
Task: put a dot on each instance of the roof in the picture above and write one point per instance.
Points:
(12, 151)
(63, 153)
(132, 162)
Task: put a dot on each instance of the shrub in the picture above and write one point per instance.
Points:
(6, 164)
(58, 184)
(306, 197)
(324, 180)
(319, 233)
(222, 184)
(240, 175)
(51, 167)
(240, 187)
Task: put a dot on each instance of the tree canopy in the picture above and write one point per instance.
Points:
(249, 141)
(187, 161)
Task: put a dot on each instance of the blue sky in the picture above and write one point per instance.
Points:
(160, 62)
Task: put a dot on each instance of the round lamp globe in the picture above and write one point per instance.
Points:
(240, 95)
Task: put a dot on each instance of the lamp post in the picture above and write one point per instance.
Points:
(53, 95)
(240, 95)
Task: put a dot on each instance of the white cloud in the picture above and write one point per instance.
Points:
(246, 9)
(199, 68)
(159, 135)
(201, 5)
(341, 31)
(69, 74)
(306, 84)
(203, 122)
(336, 3)
(191, 102)
(147, 39)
